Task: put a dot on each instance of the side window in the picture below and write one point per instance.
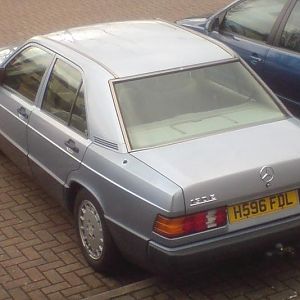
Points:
(78, 117)
(290, 38)
(64, 96)
(25, 71)
(253, 19)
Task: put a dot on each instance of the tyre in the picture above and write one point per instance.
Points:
(94, 237)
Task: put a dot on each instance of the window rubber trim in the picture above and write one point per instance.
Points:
(283, 23)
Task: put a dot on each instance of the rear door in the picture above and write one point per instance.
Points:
(248, 27)
(283, 60)
(57, 133)
(22, 79)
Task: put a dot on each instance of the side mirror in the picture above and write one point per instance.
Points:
(2, 71)
(213, 25)
(215, 22)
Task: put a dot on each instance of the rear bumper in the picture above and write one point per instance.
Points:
(238, 243)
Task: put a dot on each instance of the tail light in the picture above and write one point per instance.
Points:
(199, 222)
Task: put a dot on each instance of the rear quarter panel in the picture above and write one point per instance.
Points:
(130, 193)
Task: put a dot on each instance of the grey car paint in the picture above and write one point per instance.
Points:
(6, 52)
(15, 110)
(215, 164)
(53, 137)
(134, 187)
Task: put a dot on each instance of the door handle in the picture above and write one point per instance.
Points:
(22, 113)
(236, 38)
(71, 146)
(254, 59)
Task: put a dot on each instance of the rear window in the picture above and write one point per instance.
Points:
(168, 108)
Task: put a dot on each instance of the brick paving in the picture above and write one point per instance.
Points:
(276, 278)
(22, 19)
(39, 254)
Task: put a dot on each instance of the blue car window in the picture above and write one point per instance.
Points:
(253, 19)
(290, 38)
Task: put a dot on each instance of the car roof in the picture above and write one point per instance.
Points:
(137, 47)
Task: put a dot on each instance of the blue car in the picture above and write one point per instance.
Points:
(266, 34)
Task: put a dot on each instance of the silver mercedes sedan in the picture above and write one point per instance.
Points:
(164, 143)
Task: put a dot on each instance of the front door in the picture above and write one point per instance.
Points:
(247, 28)
(283, 62)
(22, 78)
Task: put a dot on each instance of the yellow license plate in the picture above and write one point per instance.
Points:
(261, 207)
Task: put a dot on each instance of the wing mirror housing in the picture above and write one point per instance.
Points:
(213, 25)
(2, 70)
(215, 22)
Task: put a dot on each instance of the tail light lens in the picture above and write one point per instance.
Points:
(199, 222)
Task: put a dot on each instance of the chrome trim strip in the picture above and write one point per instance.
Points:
(169, 71)
(266, 88)
(119, 115)
(145, 238)
(25, 152)
(121, 187)
(177, 69)
(54, 144)
(17, 94)
(50, 173)
(14, 115)
(83, 54)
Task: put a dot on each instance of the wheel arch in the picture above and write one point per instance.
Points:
(73, 188)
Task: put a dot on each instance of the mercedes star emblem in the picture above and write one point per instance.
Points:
(267, 175)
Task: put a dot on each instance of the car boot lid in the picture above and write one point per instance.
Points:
(225, 168)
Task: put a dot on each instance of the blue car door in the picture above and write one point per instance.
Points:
(248, 27)
(252, 52)
(283, 60)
